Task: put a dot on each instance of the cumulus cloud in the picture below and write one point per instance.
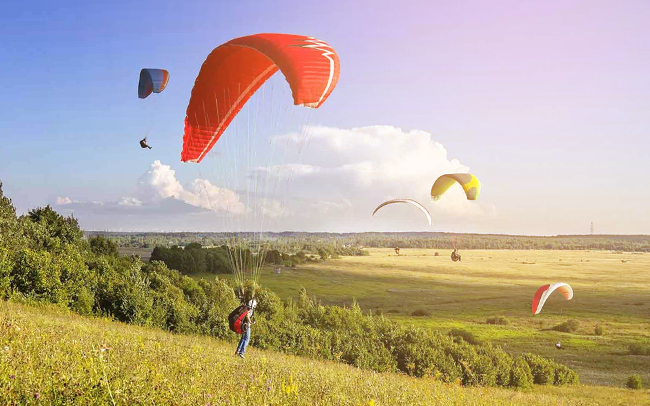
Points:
(158, 191)
(160, 183)
(62, 201)
(368, 165)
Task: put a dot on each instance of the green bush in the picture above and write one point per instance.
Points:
(6, 265)
(634, 382)
(569, 326)
(599, 330)
(639, 349)
(565, 375)
(542, 369)
(520, 375)
(498, 320)
(466, 336)
(420, 313)
(35, 276)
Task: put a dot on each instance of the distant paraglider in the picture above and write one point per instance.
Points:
(143, 143)
(469, 182)
(152, 81)
(455, 255)
(397, 250)
(545, 291)
(410, 201)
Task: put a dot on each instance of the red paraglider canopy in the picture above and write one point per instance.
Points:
(235, 70)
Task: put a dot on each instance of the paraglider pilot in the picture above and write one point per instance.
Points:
(143, 143)
(245, 338)
(455, 256)
(397, 250)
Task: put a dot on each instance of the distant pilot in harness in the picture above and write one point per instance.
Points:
(143, 143)
(397, 250)
(455, 256)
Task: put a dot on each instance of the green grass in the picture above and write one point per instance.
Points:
(51, 356)
(463, 295)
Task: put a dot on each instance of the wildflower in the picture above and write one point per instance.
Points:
(6, 348)
(37, 395)
(268, 388)
(12, 376)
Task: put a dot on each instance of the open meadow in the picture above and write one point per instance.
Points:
(611, 290)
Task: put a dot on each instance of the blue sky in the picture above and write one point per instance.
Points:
(547, 102)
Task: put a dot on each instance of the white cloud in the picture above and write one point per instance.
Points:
(160, 183)
(62, 201)
(369, 165)
(274, 209)
(129, 201)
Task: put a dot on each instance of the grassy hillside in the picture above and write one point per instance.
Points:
(611, 290)
(51, 356)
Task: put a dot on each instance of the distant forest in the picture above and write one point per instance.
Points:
(293, 242)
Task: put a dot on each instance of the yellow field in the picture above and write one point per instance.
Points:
(610, 289)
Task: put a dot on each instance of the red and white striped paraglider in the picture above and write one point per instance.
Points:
(545, 291)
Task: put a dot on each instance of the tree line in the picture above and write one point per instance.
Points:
(295, 242)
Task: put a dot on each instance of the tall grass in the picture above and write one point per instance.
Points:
(51, 356)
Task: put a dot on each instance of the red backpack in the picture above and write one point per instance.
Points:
(236, 319)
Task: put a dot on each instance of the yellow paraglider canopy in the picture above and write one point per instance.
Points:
(469, 182)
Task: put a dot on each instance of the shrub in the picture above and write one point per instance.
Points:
(634, 382)
(35, 276)
(417, 313)
(520, 375)
(6, 265)
(436, 254)
(599, 330)
(569, 326)
(543, 370)
(466, 336)
(639, 349)
(565, 375)
(499, 320)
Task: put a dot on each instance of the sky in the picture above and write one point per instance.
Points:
(546, 102)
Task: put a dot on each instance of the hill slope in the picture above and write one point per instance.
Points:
(51, 356)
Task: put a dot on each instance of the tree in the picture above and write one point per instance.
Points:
(9, 227)
(65, 229)
(103, 246)
(324, 254)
